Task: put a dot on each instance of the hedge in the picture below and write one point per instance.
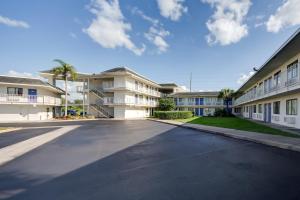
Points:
(173, 114)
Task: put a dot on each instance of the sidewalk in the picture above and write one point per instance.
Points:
(266, 139)
(280, 127)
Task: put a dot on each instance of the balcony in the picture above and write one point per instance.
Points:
(184, 103)
(283, 85)
(128, 101)
(111, 87)
(137, 89)
(29, 99)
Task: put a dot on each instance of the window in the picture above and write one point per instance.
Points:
(291, 107)
(277, 79)
(15, 91)
(259, 108)
(247, 109)
(267, 85)
(276, 107)
(292, 70)
(254, 108)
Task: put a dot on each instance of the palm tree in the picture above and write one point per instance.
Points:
(65, 70)
(226, 94)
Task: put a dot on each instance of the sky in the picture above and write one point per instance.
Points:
(218, 41)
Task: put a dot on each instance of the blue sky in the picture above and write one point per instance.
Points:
(219, 41)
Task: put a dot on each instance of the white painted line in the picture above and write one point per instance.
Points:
(13, 151)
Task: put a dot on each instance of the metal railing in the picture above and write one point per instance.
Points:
(282, 85)
(204, 104)
(29, 99)
(129, 101)
(102, 110)
(98, 91)
(139, 89)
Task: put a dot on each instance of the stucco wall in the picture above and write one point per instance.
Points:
(24, 112)
(130, 112)
(276, 118)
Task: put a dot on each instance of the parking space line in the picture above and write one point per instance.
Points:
(13, 151)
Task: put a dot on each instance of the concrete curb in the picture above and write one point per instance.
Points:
(271, 140)
(13, 151)
(9, 130)
(47, 121)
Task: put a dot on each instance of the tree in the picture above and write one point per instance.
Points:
(66, 71)
(166, 104)
(226, 94)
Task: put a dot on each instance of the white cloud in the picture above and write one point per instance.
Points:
(21, 74)
(244, 77)
(184, 87)
(109, 28)
(137, 11)
(288, 14)
(156, 36)
(227, 25)
(156, 33)
(172, 9)
(13, 22)
(73, 35)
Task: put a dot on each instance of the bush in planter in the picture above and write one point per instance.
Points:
(173, 114)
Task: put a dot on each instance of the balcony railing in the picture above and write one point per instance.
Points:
(282, 85)
(127, 101)
(29, 99)
(183, 103)
(142, 90)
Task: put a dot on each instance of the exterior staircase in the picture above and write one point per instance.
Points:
(99, 105)
(98, 92)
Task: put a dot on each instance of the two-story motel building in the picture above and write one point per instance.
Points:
(200, 103)
(272, 94)
(118, 93)
(28, 99)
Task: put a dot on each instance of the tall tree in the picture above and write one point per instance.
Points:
(166, 104)
(66, 71)
(226, 94)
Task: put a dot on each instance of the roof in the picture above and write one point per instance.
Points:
(287, 50)
(127, 70)
(168, 85)
(106, 72)
(210, 93)
(27, 81)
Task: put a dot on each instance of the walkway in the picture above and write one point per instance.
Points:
(267, 139)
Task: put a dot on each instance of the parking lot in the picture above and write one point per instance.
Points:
(111, 159)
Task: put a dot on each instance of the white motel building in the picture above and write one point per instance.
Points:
(272, 94)
(28, 99)
(200, 103)
(119, 93)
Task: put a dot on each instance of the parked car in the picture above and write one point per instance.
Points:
(72, 112)
(81, 113)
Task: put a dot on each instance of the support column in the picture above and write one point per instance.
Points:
(88, 95)
(83, 98)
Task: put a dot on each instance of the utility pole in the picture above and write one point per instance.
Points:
(191, 76)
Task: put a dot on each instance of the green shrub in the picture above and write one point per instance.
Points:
(166, 104)
(222, 113)
(173, 114)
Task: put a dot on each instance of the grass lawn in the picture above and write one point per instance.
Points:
(236, 123)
